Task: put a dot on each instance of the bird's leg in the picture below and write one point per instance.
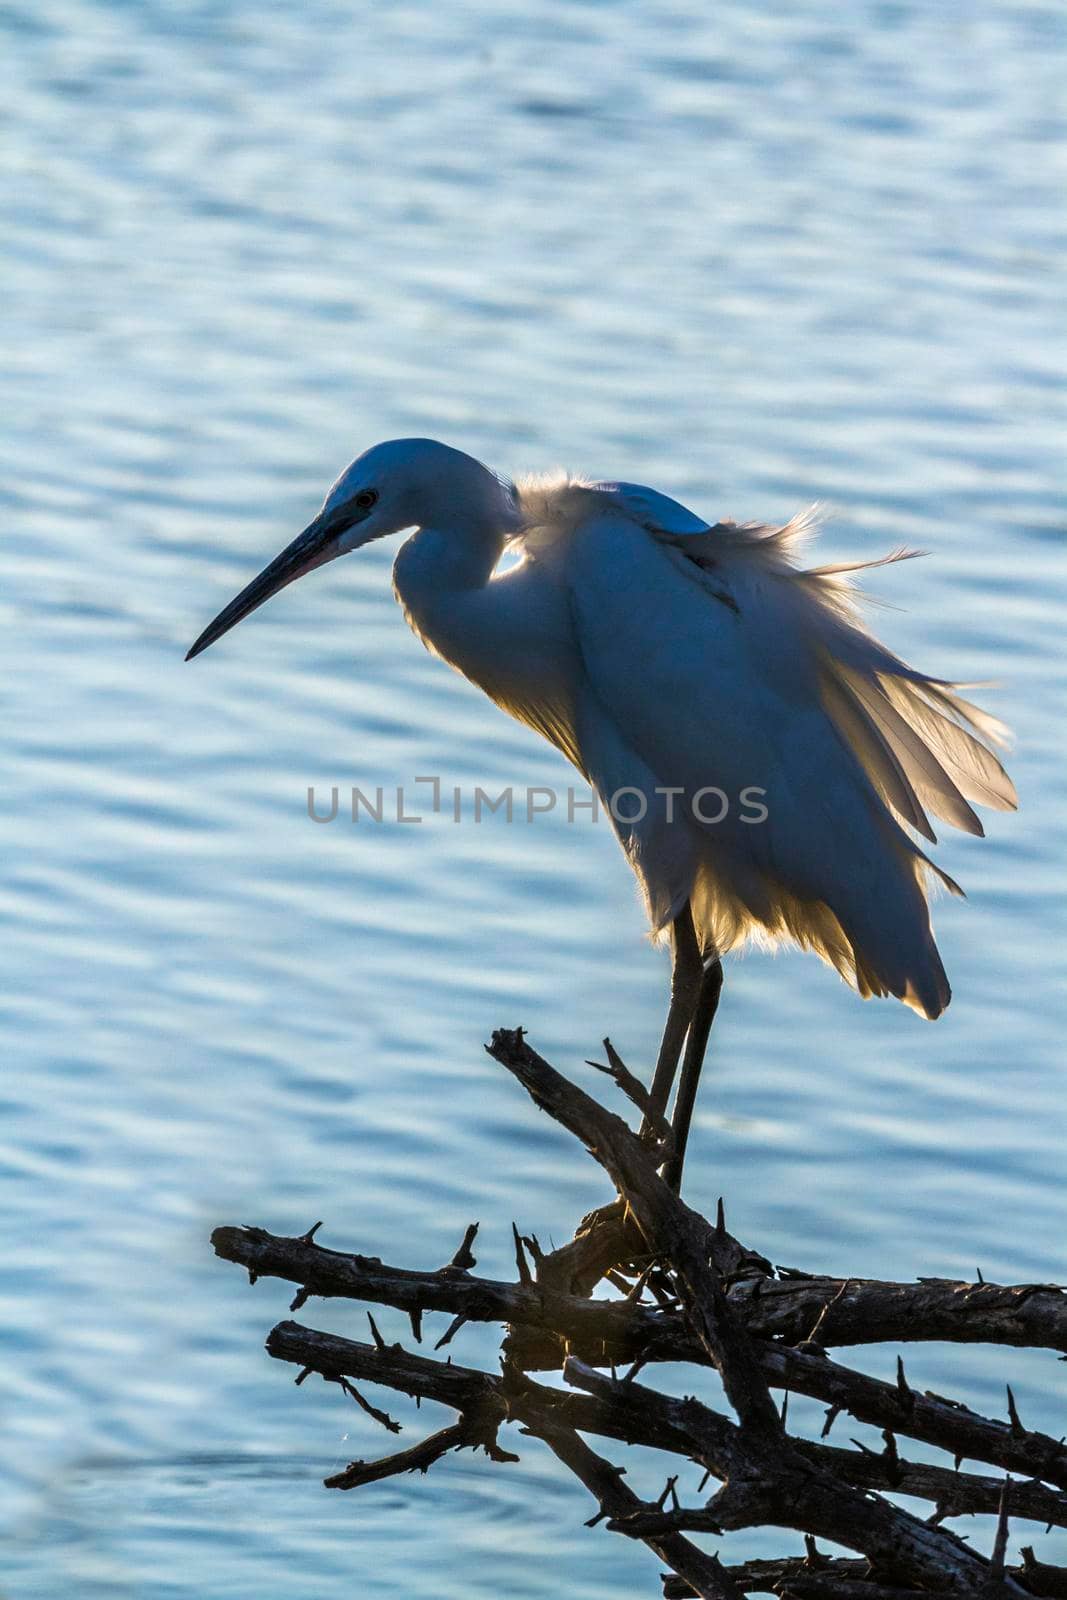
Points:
(687, 967)
(686, 970)
(695, 1046)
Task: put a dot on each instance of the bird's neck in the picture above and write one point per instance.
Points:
(434, 562)
(510, 633)
(437, 571)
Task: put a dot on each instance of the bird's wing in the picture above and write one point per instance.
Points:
(923, 746)
(696, 665)
(726, 665)
(920, 742)
(657, 513)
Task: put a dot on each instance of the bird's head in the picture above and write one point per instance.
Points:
(403, 483)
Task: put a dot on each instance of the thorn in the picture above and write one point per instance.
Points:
(601, 1514)
(637, 1288)
(814, 1556)
(415, 1316)
(463, 1259)
(668, 1490)
(615, 1061)
(353, 1393)
(632, 1088)
(891, 1458)
(309, 1237)
(957, 1462)
(533, 1245)
(905, 1393)
(1017, 1429)
(978, 1271)
(639, 1361)
(784, 1413)
(299, 1299)
(618, 1069)
(525, 1275)
(450, 1332)
(832, 1414)
(375, 1335)
(1000, 1542)
(305, 1372)
(253, 1278)
(720, 1218)
(703, 1481)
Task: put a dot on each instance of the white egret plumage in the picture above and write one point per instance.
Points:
(672, 658)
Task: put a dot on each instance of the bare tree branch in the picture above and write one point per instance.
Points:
(704, 1573)
(691, 1292)
(864, 1311)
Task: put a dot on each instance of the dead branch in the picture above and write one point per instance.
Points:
(688, 1291)
(864, 1312)
(819, 1577)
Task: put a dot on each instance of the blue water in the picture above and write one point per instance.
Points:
(753, 254)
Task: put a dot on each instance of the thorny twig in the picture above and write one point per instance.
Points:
(715, 1303)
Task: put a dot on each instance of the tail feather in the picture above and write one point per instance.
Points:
(931, 783)
(875, 752)
(895, 951)
(971, 765)
(922, 744)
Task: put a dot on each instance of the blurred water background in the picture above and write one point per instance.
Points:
(755, 255)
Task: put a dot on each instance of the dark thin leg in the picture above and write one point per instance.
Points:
(695, 1047)
(689, 983)
(686, 970)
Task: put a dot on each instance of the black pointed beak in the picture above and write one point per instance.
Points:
(312, 548)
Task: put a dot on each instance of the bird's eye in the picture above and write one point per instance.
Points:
(366, 498)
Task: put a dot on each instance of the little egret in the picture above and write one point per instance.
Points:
(671, 660)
